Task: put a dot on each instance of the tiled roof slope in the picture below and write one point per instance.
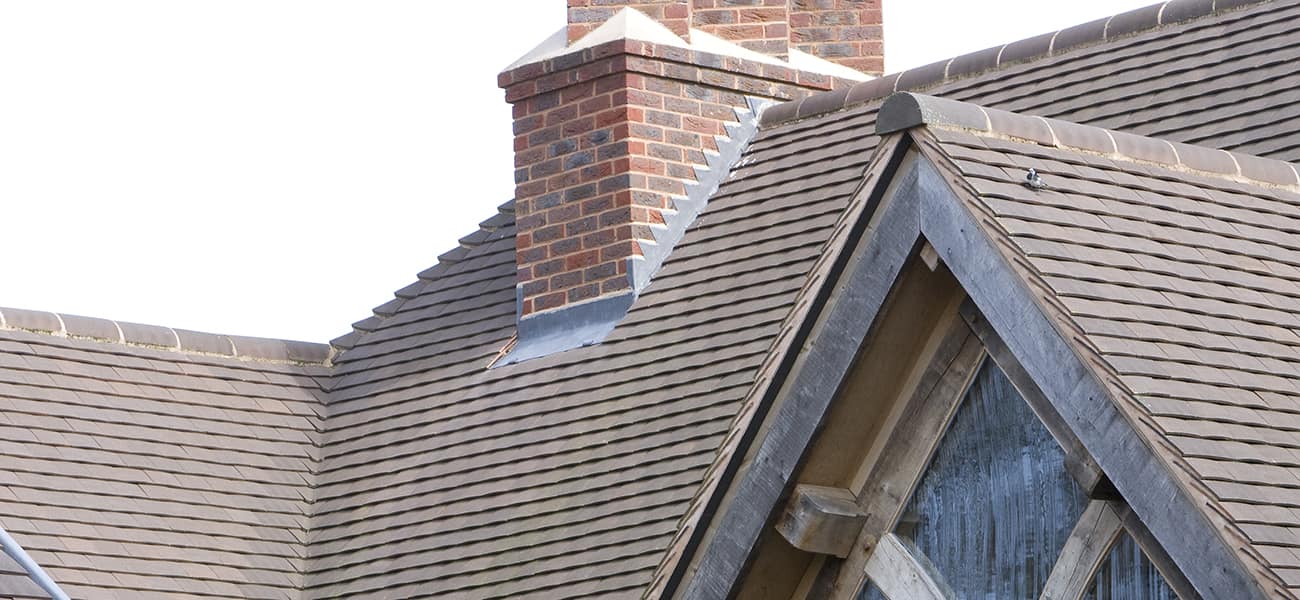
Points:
(15, 583)
(564, 476)
(1178, 276)
(1228, 73)
(146, 471)
(567, 476)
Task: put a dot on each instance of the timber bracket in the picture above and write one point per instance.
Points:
(821, 520)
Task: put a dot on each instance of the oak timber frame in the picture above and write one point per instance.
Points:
(895, 473)
(921, 207)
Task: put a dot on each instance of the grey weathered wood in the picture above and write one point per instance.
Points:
(925, 205)
(1077, 460)
(900, 576)
(847, 320)
(821, 520)
(1087, 547)
(929, 256)
(1084, 404)
(907, 451)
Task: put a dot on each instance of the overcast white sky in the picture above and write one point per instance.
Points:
(278, 167)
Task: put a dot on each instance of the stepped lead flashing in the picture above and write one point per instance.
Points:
(588, 323)
(966, 65)
(906, 110)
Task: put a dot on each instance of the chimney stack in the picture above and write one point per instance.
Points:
(624, 124)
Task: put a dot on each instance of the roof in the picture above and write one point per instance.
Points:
(118, 454)
(402, 465)
(1178, 276)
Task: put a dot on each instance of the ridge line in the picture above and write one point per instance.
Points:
(906, 110)
(1044, 45)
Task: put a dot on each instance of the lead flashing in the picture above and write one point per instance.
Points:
(588, 323)
(573, 326)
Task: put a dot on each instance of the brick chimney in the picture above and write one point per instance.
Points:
(625, 122)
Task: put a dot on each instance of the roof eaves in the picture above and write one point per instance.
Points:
(967, 65)
(906, 110)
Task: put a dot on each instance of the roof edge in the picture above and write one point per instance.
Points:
(164, 338)
(906, 110)
(1048, 44)
(487, 228)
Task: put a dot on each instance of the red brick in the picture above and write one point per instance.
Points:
(607, 136)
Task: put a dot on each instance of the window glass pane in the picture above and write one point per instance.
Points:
(1127, 574)
(996, 504)
(871, 592)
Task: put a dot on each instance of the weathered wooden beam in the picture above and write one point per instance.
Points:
(1085, 405)
(1087, 547)
(929, 256)
(908, 448)
(843, 323)
(821, 520)
(899, 574)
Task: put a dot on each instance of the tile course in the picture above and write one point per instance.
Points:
(405, 467)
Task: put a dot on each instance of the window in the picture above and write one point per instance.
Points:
(994, 511)
(1128, 574)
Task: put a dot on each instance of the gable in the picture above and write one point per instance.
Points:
(585, 471)
(1098, 408)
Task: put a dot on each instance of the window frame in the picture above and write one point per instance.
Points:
(894, 473)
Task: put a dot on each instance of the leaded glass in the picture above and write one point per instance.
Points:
(871, 592)
(1127, 574)
(995, 506)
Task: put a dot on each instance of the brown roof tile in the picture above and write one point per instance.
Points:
(1193, 349)
(397, 463)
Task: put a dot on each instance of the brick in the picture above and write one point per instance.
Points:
(582, 260)
(548, 268)
(563, 213)
(682, 171)
(595, 105)
(532, 255)
(620, 250)
(665, 152)
(614, 285)
(574, 230)
(664, 86)
(581, 192)
(597, 205)
(646, 133)
(597, 171)
(599, 239)
(578, 127)
(561, 147)
(600, 272)
(579, 159)
(663, 119)
(549, 301)
(536, 287)
(651, 199)
(584, 292)
(548, 234)
(564, 246)
(607, 136)
(565, 280)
